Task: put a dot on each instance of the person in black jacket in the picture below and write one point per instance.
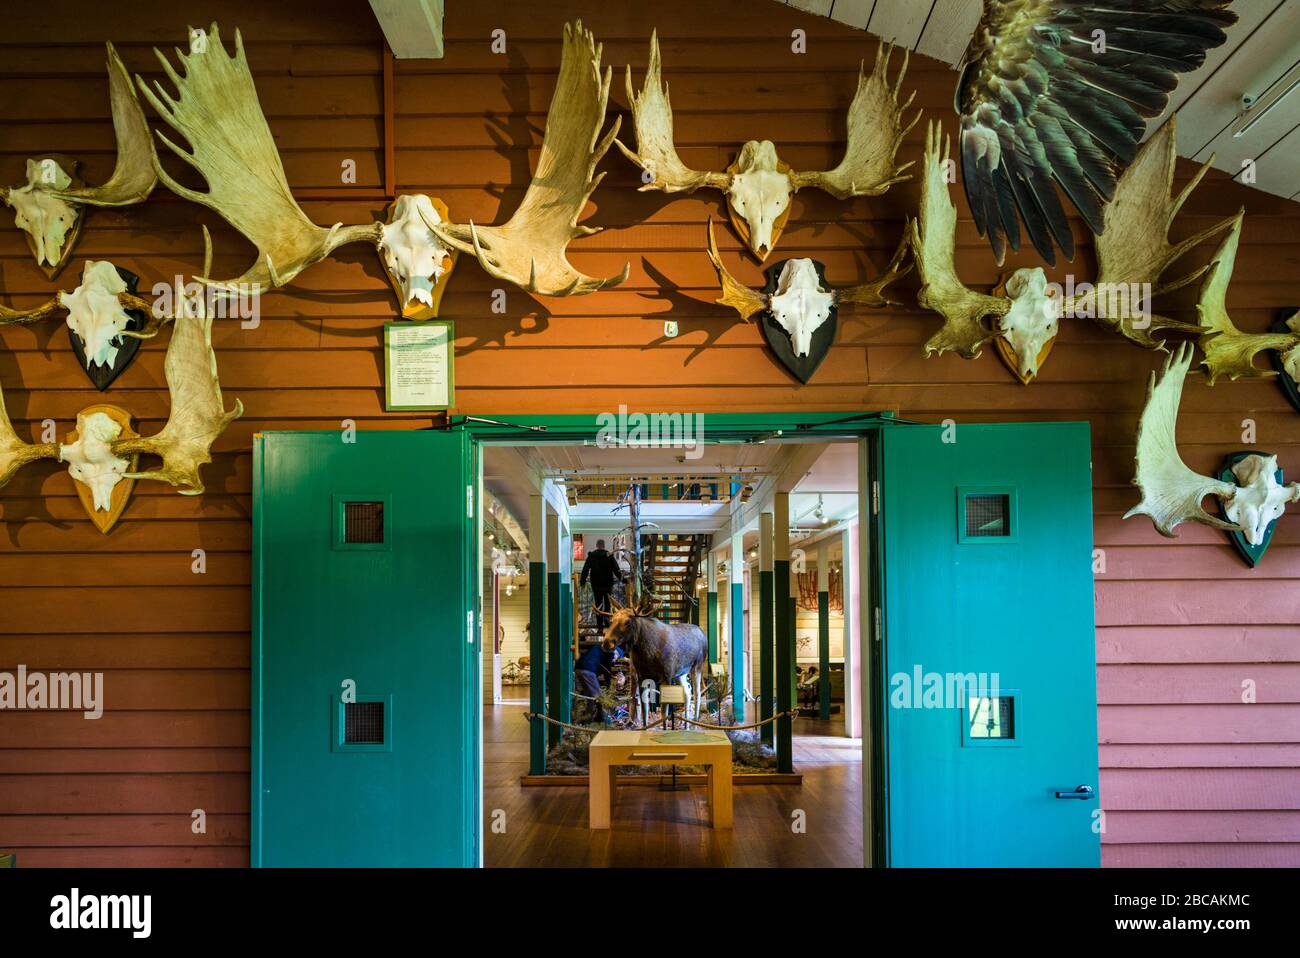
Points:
(603, 570)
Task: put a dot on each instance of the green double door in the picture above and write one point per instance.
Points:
(365, 651)
(988, 695)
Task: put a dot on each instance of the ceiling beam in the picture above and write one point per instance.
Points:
(413, 28)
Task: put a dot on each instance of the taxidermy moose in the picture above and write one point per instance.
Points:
(667, 652)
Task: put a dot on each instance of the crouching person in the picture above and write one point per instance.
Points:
(591, 665)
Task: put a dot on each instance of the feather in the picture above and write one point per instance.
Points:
(1064, 110)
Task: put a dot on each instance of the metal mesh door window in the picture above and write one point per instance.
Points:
(988, 514)
(363, 723)
(363, 522)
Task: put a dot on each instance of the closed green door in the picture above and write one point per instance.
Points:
(989, 697)
(365, 651)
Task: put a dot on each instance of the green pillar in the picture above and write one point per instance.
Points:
(784, 633)
(566, 646)
(766, 628)
(712, 630)
(537, 674)
(554, 657)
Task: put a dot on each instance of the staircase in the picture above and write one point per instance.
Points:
(672, 565)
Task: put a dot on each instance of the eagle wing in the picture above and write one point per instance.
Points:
(1057, 92)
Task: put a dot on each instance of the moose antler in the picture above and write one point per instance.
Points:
(656, 153)
(934, 240)
(216, 109)
(198, 415)
(529, 249)
(14, 452)
(1134, 250)
(1228, 351)
(735, 294)
(876, 131)
(133, 176)
(1171, 492)
(747, 302)
(759, 185)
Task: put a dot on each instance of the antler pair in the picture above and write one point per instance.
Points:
(216, 109)
(759, 186)
(48, 207)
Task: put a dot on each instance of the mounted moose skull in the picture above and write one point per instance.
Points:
(216, 109)
(48, 208)
(800, 310)
(91, 460)
(95, 312)
(1029, 326)
(1172, 493)
(413, 255)
(758, 185)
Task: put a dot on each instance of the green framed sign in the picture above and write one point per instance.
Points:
(419, 366)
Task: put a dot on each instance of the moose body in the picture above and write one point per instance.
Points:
(667, 652)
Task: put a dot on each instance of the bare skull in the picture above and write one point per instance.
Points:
(411, 251)
(95, 314)
(41, 215)
(800, 305)
(1033, 319)
(759, 193)
(90, 459)
(1259, 499)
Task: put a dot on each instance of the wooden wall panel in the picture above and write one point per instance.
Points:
(1191, 774)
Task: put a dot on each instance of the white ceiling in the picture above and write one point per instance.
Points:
(510, 474)
(1263, 45)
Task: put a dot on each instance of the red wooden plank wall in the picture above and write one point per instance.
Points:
(1191, 775)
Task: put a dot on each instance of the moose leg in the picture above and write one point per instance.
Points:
(685, 682)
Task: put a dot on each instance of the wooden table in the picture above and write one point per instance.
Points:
(611, 749)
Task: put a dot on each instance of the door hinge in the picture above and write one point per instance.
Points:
(469, 632)
(876, 615)
(469, 502)
(875, 497)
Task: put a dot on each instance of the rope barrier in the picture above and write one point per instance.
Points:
(793, 713)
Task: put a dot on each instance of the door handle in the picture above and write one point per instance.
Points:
(1084, 792)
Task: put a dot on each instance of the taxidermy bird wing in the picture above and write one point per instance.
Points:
(529, 249)
(198, 415)
(1058, 92)
(876, 131)
(14, 453)
(1171, 492)
(1228, 351)
(216, 109)
(735, 294)
(934, 242)
(133, 176)
(652, 115)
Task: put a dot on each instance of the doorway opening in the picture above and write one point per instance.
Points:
(717, 524)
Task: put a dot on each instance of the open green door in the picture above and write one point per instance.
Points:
(365, 650)
(988, 691)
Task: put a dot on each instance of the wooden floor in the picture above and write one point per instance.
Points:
(548, 826)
